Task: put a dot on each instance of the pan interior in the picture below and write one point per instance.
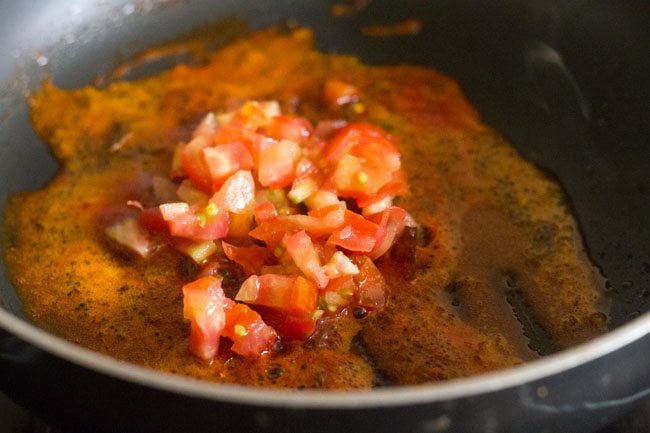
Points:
(539, 72)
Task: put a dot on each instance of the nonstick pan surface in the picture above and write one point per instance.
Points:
(565, 82)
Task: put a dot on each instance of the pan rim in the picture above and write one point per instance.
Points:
(313, 399)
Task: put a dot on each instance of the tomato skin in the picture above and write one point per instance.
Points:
(391, 225)
(247, 330)
(357, 234)
(203, 306)
(183, 221)
(251, 259)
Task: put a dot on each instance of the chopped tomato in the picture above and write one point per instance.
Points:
(356, 234)
(237, 195)
(318, 223)
(247, 330)
(362, 158)
(223, 160)
(304, 255)
(199, 251)
(321, 198)
(290, 327)
(371, 291)
(339, 265)
(291, 294)
(391, 224)
(265, 212)
(357, 134)
(277, 160)
(302, 188)
(396, 186)
(185, 222)
(251, 259)
(292, 128)
(203, 306)
(240, 224)
(356, 177)
(255, 167)
(194, 165)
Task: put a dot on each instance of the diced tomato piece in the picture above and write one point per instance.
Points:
(339, 265)
(305, 167)
(363, 158)
(304, 255)
(223, 160)
(371, 291)
(194, 164)
(276, 167)
(265, 212)
(272, 231)
(276, 196)
(199, 251)
(318, 223)
(357, 177)
(321, 198)
(356, 234)
(291, 294)
(302, 188)
(240, 224)
(251, 259)
(342, 284)
(237, 195)
(248, 332)
(391, 225)
(203, 306)
(357, 134)
(290, 327)
(292, 128)
(184, 221)
(397, 186)
(336, 93)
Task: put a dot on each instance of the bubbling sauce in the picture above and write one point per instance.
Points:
(495, 275)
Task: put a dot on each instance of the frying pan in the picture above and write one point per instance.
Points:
(567, 82)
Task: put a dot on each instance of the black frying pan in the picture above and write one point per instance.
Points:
(567, 82)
